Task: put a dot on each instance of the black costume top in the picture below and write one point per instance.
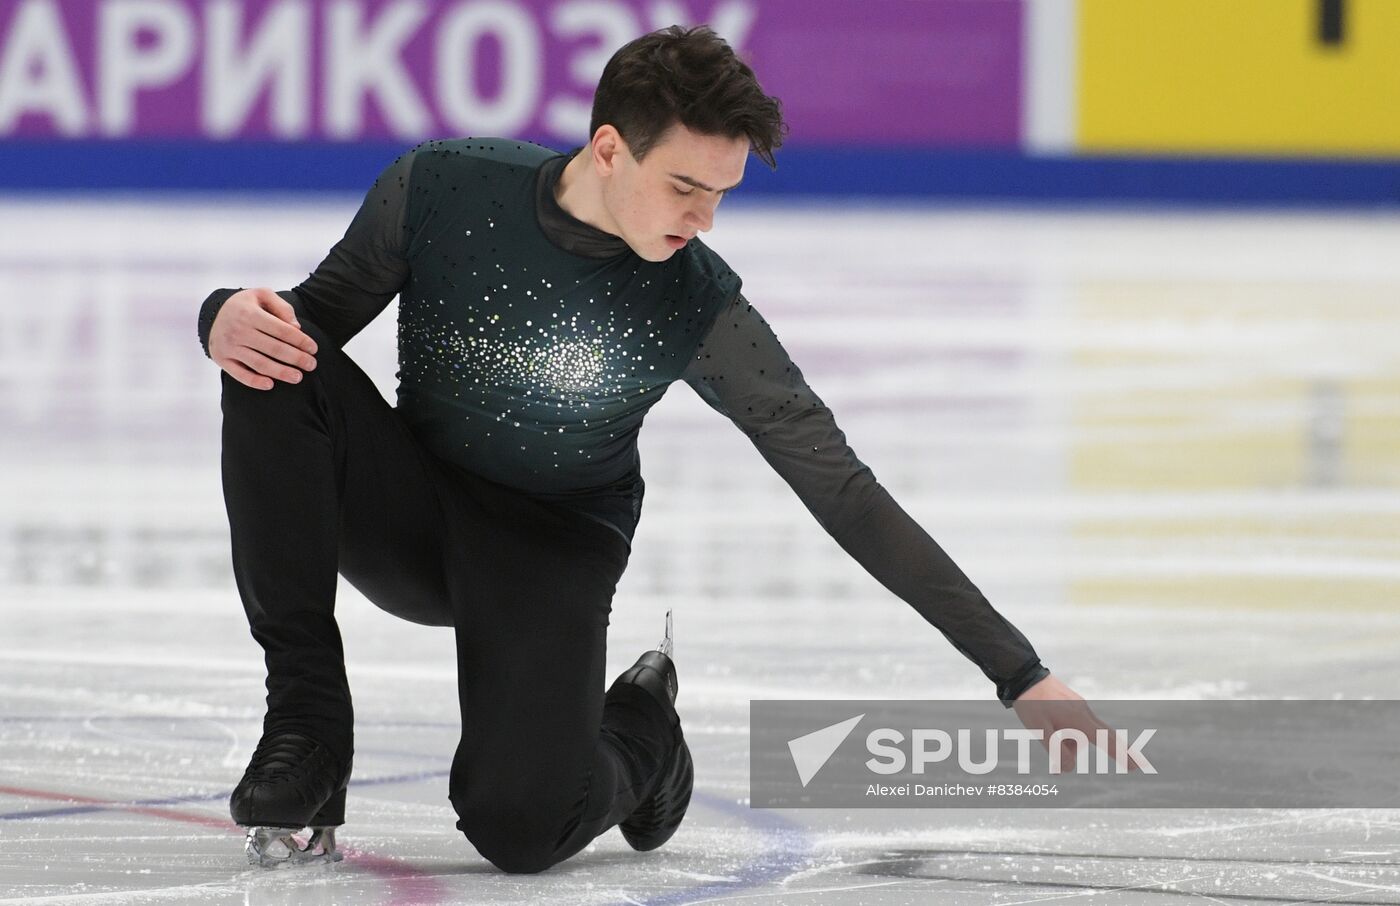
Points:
(531, 346)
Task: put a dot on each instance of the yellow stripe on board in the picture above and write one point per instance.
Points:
(1239, 77)
(1371, 430)
(1341, 594)
(1228, 390)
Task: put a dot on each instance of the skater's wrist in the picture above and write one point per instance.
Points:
(208, 311)
(1025, 678)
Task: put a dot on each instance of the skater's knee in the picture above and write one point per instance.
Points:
(236, 393)
(515, 839)
(519, 861)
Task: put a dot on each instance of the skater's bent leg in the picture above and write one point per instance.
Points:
(306, 468)
(280, 493)
(543, 767)
(532, 817)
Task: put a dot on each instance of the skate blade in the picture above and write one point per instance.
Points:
(279, 847)
(666, 646)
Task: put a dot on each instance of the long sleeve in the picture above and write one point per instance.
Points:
(743, 372)
(362, 272)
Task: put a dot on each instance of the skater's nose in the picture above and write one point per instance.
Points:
(701, 215)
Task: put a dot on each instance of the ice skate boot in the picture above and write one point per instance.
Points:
(658, 815)
(292, 782)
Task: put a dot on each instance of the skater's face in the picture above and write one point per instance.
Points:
(661, 202)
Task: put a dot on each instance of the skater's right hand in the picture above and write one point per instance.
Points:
(256, 338)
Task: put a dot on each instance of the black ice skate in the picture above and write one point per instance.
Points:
(292, 782)
(659, 815)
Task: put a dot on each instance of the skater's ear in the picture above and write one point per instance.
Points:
(608, 149)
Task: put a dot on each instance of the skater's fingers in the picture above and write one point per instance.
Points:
(1118, 750)
(269, 367)
(1062, 716)
(283, 342)
(279, 307)
(1069, 753)
(287, 331)
(1062, 752)
(1089, 723)
(246, 376)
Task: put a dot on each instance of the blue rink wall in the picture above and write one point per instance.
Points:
(1279, 102)
(802, 171)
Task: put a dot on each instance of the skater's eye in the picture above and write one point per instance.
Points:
(686, 192)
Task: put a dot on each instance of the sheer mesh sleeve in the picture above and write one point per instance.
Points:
(362, 272)
(743, 372)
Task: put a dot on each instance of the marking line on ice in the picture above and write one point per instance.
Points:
(406, 883)
(789, 850)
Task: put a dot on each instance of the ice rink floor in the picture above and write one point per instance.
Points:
(1166, 445)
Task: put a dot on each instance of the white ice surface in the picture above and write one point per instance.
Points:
(1166, 445)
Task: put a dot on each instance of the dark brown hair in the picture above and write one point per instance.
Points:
(686, 75)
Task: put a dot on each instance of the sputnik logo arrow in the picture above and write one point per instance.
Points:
(811, 752)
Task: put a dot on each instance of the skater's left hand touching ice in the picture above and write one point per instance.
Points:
(1050, 705)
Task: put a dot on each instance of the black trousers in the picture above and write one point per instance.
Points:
(323, 477)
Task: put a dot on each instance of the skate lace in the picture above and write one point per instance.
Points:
(280, 755)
